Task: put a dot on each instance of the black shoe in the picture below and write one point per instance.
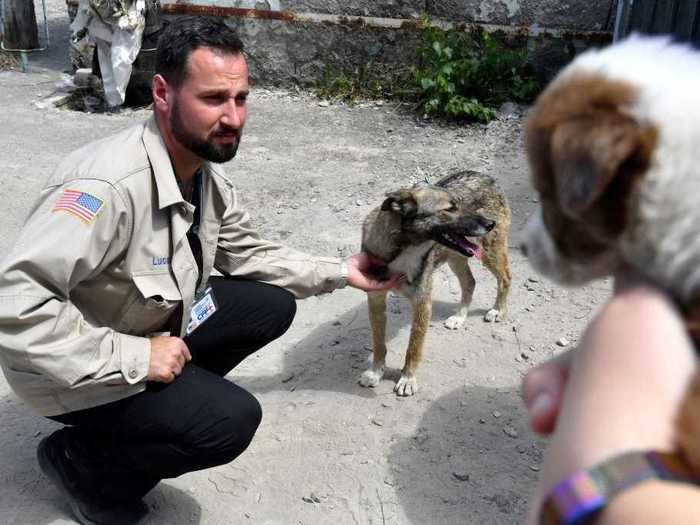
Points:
(55, 464)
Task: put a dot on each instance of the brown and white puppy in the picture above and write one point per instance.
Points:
(417, 229)
(614, 149)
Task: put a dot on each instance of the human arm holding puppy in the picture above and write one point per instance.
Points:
(618, 392)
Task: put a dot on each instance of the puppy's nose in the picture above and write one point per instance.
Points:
(523, 249)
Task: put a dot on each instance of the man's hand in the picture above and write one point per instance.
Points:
(168, 357)
(370, 273)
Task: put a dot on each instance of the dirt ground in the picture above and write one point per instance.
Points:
(328, 451)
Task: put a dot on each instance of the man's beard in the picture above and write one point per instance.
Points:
(204, 149)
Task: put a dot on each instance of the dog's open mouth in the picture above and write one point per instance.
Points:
(460, 244)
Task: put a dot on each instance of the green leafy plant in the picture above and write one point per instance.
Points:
(466, 74)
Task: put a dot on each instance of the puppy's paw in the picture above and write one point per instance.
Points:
(455, 322)
(493, 316)
(370, 378)
(406, 386)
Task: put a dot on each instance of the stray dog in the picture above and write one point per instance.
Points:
(613, 145)
(415, 230)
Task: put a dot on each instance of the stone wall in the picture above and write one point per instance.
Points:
(295, 41)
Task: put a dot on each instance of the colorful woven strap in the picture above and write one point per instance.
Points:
(581, 496)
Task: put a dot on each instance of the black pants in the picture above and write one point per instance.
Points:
(198, 421)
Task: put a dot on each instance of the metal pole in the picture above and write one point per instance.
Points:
(624, 7)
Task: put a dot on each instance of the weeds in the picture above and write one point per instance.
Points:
(468, 74)
(458, 74)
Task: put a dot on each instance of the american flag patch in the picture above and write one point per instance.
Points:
(81, 204)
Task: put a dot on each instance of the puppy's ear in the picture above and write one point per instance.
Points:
(587, 155)
(401, 202)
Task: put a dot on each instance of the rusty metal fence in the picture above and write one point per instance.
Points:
(680, 18)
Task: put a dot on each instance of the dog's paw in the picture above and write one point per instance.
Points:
(370, 378)
(406, 386)
(493, 316)
(455, 322)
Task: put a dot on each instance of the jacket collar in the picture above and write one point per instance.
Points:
(163, 173)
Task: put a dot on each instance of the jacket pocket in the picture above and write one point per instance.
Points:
(155, 299)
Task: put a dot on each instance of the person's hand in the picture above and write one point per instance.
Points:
(370, 273)
(543, 389)
(168, 357)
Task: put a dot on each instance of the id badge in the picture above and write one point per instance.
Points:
(203, 308)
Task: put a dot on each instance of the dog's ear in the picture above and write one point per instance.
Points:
(401, 202)
(588, 154)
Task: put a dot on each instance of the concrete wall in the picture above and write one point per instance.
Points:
(295, 41)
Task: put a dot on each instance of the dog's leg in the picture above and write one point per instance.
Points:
(422, 312)
(377, 320)
(496, 261)
(460, 267)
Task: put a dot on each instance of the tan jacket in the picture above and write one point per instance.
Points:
(87, 281)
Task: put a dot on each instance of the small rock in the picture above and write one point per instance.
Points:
(529, 308)
(534, 468)
(510, 432)
(508, 109)
(533, 279)
(324, 104)
(311, 498)
(482, 420)
(563, 342)
(524, 356)
(496, 413)
(358, 202)
(389, 482)
(531, 348)
(461, 476)
(377, 422)
(521, 449)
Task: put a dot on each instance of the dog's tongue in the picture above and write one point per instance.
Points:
(474, 250)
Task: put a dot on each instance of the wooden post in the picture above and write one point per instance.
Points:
(20, 26)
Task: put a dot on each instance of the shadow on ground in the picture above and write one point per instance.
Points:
(471, 448)
(335, 353)
(27, 496)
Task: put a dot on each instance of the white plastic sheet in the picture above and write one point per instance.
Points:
(116, 27)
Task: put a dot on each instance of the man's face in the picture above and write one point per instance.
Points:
(209, 109)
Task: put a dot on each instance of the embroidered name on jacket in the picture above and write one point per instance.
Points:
(80, 204)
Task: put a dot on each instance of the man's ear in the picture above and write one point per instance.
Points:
(401, 202)
(159, 91)
(588, 154)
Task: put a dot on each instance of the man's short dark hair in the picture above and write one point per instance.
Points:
(182, 35)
